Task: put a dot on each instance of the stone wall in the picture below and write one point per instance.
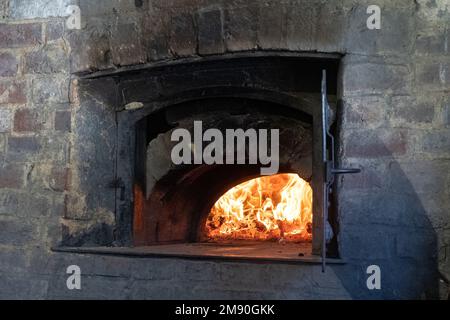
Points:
(394, 113)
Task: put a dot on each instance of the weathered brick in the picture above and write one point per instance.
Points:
(9, 202)
(206, 271)
(156, 26)
(13, 259)
(97, 287)
(20, 35)
(26, 120)
(121, 267)
(75, 207)
(126, 46)
(141, 272)
(98, 9)
(332, 27)
(432, 13)
(420, 211)
(88, 233)
(5, 119)
(370, 177)
(63, 121)
(376, 78)
(290, 277)
(301, 21)
(11, 176)
(418, 177)
(364, 111)
(240, 276)
(12, 91)
(367, 243)
(49, 59)
(240, 28)
(434, 74)
(24, 204)
(417, 245)
(90, 50)
(8, 64)
(377, 207)
(59, 179)
(23, 286)
(437, 141)
(47, 90)
(55, 148)
(23, 145)
(404, 110)
(359, 38)
(271, 29)
(53, 225)
(23, 9)
(55, 30)
(433, 42)
(210, 32)
(397, 31)
(374, 144)
(437, 208)
(326, 280)
(183, 37)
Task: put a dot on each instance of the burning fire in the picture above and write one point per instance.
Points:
(265, 208)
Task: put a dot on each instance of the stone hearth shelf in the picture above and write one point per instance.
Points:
(292, 253)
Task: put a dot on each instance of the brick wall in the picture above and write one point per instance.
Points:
(395, 86)
(34, 144)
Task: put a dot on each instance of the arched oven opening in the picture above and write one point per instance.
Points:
(174, 203)
(163, 205)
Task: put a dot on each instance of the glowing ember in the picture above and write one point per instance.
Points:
(265, 208)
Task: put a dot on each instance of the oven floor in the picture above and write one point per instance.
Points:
(236, 250)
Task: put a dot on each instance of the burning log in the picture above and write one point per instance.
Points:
(266, 208)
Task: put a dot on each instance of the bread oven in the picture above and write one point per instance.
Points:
(229, 158)
(228, 208)
(89, 104)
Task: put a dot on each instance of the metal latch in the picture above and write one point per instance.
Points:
(329, 163)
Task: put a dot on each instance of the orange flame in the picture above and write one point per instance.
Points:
(265, 208)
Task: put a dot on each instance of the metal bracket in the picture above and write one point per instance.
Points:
(329, 163)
